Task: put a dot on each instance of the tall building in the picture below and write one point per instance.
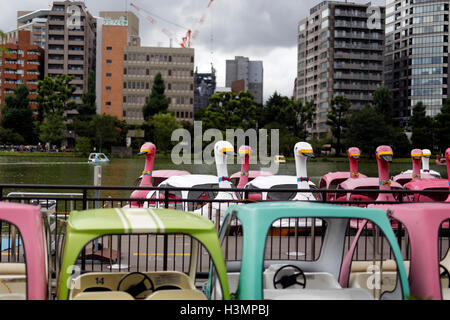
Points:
(252, 72)
(141, 64)
(416, 57)
(22, 65)
(36, 23)
(115, 31)
(204, 87)
(340, 52)
(71, 43)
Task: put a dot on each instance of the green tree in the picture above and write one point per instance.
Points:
(384, 104)
(227, 110)
(18, 116)
(157, 102)
(52, 129)
(54, 95)
(443, 127)
(9, 136)
(83, 146)
(336, 118)
(421, 127)
(89, 108)
(367, 130)
(163, 125)
(107, 131)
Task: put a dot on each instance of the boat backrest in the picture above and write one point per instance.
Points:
(104, 295)
(185, 294)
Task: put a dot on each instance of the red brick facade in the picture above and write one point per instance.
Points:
(22, 65)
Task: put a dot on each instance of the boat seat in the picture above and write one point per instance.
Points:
(445, 294)
(13, 296)
(110, 280)
(13, 269)
(362, 280)
(13, 284)
(105, 295)
(185, 294)
(446, 261)
(388, 266)
(317, 294)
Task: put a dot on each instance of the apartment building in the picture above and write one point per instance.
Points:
(71, 43)
(250, 72)
(340, 52)
(141, 64)
(22, 65)
(416, 56)
(36, 23)
(115, 31)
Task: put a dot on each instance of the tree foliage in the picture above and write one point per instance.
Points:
(443, 127)
(88, 108)
(163, 125)
(54, 95)
(336, 118)
(421, 127)
(18, 116)
(107, 131)
(52, 129)
(157, 102)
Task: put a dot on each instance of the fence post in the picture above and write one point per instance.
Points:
(83, 252)
(166, 238)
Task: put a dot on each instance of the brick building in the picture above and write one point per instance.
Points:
(24, 64)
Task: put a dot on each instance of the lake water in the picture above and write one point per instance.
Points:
(123, 172)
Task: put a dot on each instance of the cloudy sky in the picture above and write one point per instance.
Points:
(259, 29)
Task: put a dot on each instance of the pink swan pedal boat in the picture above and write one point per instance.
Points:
(420, 184)
(428, 272)
(333, 179)
(28, 279)
(158, 176)
(405, 177)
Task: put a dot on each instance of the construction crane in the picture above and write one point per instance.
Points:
(186, 40)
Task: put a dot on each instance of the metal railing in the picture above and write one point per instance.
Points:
(151, 252)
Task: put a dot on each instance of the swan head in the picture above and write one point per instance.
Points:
(303, 150)
(223, 149)
(426, 153)
(245, 151)
(416, 154)
(354, 153)
(385, 153)
(148, 148)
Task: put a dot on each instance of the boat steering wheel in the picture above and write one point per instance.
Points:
(445, 273)
(135, 283)
(287, 281)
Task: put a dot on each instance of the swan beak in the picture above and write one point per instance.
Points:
(145, 151)
(386, 156)
(244, 153)
(228, 151)
(307, 153)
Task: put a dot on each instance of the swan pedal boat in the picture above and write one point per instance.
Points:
(256, 278)
(98, 158)
(86, 226)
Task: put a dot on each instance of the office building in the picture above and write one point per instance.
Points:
(416, 56)
(141, 64)
(71, 43)
(23, 65)
(252, 74)
(340, 52)
(204, 86)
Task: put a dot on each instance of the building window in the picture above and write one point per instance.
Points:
(108, 88)
(125, 71)
(108, 75)
(108, 61)
(125, 57)
(124, 99)
(108, 103)
(109, 48)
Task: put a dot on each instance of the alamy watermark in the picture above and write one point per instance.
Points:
(258, 140)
